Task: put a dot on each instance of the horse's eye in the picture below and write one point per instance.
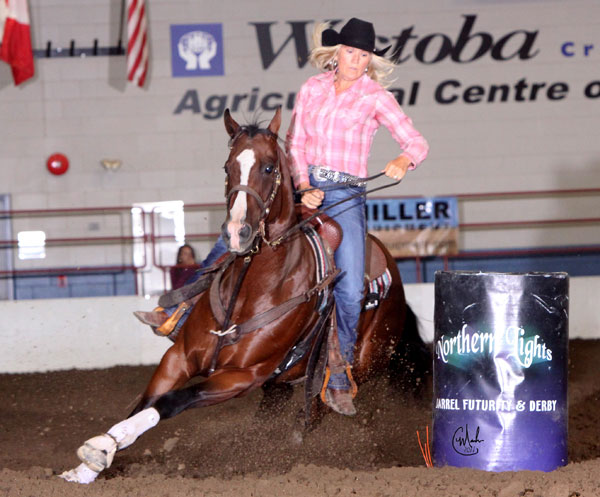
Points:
(269, 168)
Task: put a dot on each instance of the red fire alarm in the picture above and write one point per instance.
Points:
(57, 164)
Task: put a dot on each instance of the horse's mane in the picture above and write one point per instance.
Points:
(252, 129)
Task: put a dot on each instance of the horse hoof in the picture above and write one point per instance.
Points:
(98, 452)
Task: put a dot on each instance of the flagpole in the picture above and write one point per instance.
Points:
(120, 44)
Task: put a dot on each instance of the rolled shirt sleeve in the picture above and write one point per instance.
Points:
(389, 113)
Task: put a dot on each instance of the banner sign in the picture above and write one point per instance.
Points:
(197, 50)
(500, 370)
(415, 226)
(466, 39)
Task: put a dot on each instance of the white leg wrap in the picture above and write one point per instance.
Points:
(126, 432)
(80, 474)
(98, 452)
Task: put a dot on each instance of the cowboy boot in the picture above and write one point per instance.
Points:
(154, 318)
(340, 401)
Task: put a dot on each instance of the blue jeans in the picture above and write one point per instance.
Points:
(350, 259)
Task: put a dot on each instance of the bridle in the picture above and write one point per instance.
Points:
(264, 205)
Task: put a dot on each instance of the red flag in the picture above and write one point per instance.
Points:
(137, 42)
(16, 39)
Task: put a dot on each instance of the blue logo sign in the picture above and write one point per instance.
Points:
(412, 213)
(197, 50)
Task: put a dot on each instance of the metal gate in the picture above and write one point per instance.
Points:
(6, 251)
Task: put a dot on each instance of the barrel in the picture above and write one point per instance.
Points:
(500, 370)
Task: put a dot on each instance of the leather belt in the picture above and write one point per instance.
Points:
(324, 174)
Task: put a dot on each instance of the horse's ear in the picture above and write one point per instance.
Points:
(275, 122)
(230, 125)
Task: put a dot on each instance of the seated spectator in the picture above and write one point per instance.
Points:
(185, 267)
(189, 272)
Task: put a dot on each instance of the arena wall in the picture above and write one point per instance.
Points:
(457, 59)
(86, 333)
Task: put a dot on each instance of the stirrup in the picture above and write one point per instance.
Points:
(327, 397)
(169, 325)
(348, 370)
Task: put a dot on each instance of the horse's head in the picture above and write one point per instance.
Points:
(254, 168)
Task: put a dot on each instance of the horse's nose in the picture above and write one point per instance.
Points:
(245, 232)
(236, 235)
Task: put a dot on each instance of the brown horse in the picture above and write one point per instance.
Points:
(261, 304)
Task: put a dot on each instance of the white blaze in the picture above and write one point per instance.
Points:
(246, 160)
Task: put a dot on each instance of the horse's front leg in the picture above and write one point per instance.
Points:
(98, 452)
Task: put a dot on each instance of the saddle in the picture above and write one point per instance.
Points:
(330, 231)
(327, 228)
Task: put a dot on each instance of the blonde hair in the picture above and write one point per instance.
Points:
(325, 59)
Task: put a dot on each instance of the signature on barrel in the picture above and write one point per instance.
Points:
(463, 444)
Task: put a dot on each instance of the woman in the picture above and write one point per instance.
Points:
(335, 118)
(180, 276)
(185, 267)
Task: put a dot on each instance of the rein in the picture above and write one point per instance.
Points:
(340, 186)
(318, 212)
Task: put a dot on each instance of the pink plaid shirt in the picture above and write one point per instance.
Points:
(336, 131)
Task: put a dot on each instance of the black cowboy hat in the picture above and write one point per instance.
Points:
(355, 33)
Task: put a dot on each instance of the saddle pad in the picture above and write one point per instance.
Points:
(323, 266)
(381, 285)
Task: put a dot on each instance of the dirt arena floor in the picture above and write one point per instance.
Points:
(233, 450)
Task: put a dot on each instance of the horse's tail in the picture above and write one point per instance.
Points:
(411, 362)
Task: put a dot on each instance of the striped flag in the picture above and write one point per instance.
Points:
(15, 36)
(137, 42)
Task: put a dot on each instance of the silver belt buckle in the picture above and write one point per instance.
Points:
(319, 174)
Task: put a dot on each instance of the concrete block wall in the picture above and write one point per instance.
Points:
(84, 108)
(54, 334)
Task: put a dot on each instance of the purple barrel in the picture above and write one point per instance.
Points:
(500, 370)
